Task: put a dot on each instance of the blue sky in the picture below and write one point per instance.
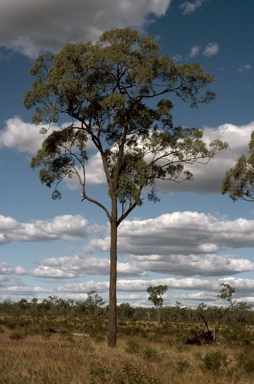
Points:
(195, 238)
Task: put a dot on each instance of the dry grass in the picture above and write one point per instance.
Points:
(66, 359)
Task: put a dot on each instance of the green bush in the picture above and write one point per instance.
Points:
(155, 380)
(132, 347)
(182, 366)
(99, 373)
(149, 353)
(245, 361)
(99, 338)
(214, 361)
(130, 374)
(11, 324)
(16, 336)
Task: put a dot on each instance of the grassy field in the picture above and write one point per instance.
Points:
(33, 351)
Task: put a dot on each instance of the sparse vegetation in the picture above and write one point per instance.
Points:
(68, 340)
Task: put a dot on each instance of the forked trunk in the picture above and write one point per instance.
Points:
(112, 325)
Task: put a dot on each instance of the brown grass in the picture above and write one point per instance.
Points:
(68, 359)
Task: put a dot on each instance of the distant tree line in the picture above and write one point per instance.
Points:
(94, 307)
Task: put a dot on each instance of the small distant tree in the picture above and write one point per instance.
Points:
(226, 292)
(201, 307)
(116, 93)
(239, 180)
(94, 303)
(156, 293)
(125, 311)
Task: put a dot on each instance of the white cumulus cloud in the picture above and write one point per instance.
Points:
(44, 25)
(21, 136)
(188, 7)
(77, 266)
(212, 49)
(194, 51)
(66, 227)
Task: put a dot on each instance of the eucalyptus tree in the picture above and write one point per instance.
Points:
(155, 296)
(226, 292)
(116, 93)
(94, 303)
(239, 180)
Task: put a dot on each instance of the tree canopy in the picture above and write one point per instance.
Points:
(226, 292)
(155, 296)
(239, 180)
(156, 293)
(116, 92)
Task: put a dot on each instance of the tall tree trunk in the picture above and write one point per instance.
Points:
(159, 314)
(112, 326)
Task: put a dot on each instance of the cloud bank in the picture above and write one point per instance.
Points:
(30, 26)
(180, 243)
(65, 228)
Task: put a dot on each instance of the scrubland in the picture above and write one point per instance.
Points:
(73, 350)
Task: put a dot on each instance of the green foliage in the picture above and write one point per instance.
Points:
(99, 338)
(146, 352)
(61, 152)
(156, 294)
(155, 380)
(93, 306)
(245, 361)
(182, 366)
(106, 89)
(11, 324)
(239, 180)
(132, 346)
(177, 321)
(214, 361)
(125, 311)
(226, 292)
(150, 354)
(130, 374)
(16, 335)
(99, 373)
(237, 335)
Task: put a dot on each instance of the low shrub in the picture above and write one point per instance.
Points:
(149, 353)
(182, 366)
(16, 336)
(245, 361)
(99, 338)
(131, 373)
(99, 373)
(214, 361)
(132, 347)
